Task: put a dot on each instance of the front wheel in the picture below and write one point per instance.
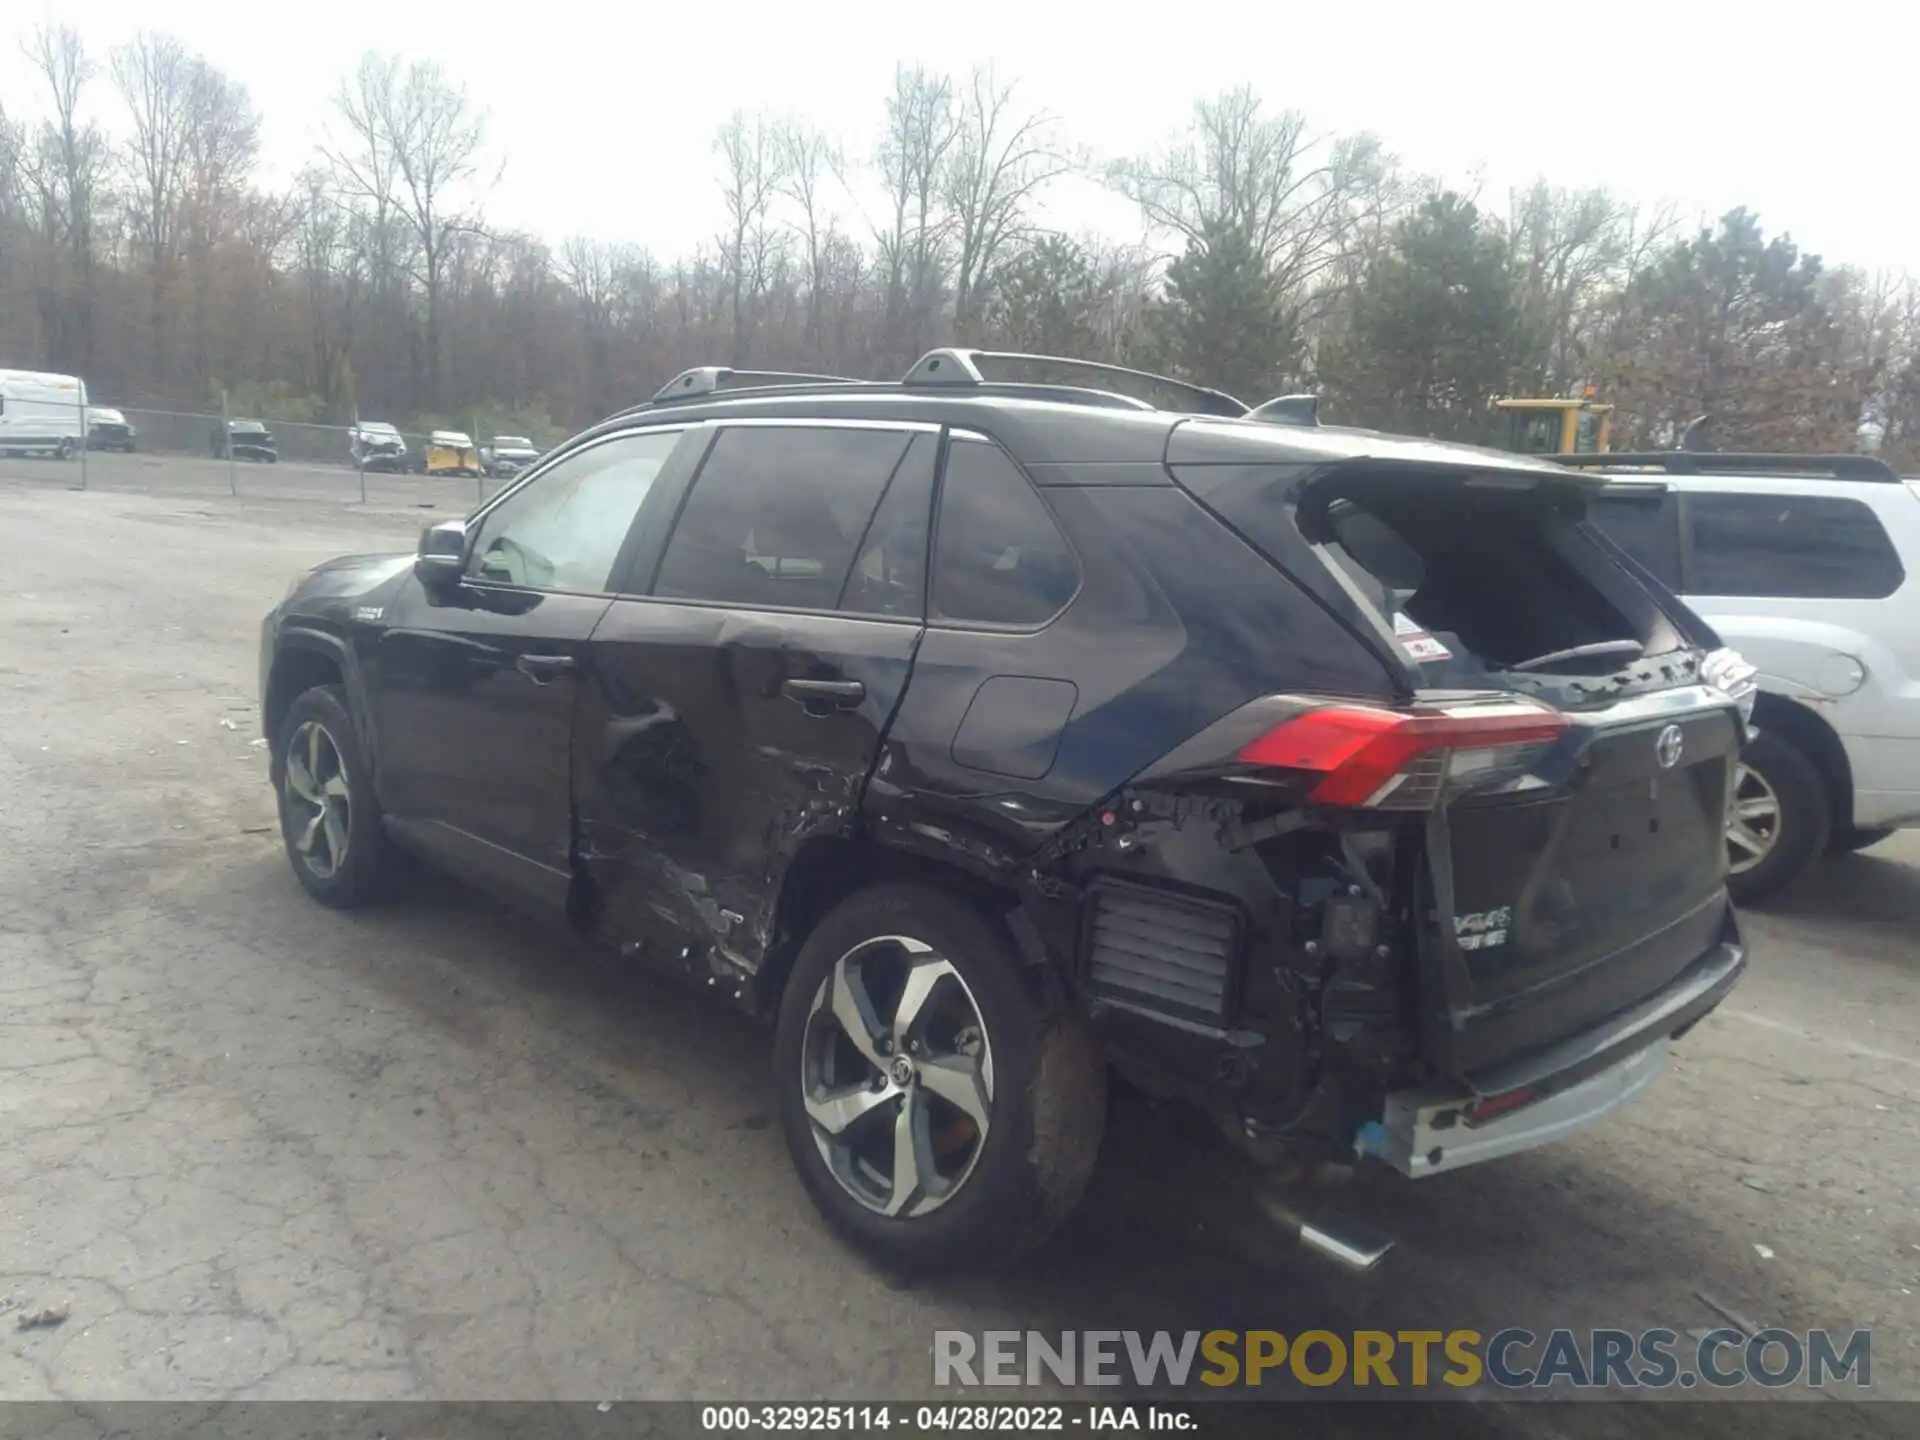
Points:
(939, 1115)
(329, 817)
(1779, 818)
(66, 450)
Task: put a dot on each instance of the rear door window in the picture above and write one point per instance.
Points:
(999, 557)
(889, 577)
(1811, 547)
(777, 515)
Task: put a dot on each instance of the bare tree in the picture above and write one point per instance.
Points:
(808, 163)
(1295, 197)
(751, 152)
(913, 153)
(66, 170)
(435, 139)
(222, 141)
(324, 261)
(999, 159)
(1569, 251)
(591, 270)
(155, 77)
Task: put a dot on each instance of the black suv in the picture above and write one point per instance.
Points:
(987, 733)
(243, 439)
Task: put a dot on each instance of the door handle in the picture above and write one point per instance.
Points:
(544, 669)
(824, 694)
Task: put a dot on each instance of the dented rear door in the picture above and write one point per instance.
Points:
(737, 709)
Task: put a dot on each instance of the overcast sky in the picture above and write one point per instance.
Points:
(603, 117)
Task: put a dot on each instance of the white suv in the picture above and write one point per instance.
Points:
(1805, 564)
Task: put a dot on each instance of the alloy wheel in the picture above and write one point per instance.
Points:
(319, 802)
(897, 1076)
(1753, 820)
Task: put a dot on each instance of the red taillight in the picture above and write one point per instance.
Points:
(1406, 761)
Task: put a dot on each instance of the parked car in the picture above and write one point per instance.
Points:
(1348, 787)
(243, 440)
(40, 414)
(1807, 564)
(449, 452)
(108, 429)
(376, 445)
(505, 456)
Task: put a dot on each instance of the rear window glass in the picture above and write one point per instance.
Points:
(999, 558)
(1472, 581)
(1647, 527)
(1812, 547)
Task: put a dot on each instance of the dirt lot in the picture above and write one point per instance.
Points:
(255, 1148)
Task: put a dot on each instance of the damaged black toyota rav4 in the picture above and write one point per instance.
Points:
(990, 733)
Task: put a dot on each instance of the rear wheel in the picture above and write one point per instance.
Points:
(939, 1116)
(1779, 818)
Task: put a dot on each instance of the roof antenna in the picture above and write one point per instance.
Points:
(1695, 437)
(1289, 410)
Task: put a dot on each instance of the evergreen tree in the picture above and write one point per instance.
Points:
(1431, 337)
(1225, 320)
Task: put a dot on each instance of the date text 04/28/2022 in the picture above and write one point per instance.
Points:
(936, 1419)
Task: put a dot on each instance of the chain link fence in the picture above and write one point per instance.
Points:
(168, 432)
(133, 448)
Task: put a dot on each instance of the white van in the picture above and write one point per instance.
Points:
(45, 413)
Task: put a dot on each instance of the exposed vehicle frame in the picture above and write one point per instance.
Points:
(378, 446)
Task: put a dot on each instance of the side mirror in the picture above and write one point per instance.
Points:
(442, 557)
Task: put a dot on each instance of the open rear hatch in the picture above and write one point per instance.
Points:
(1560, 753)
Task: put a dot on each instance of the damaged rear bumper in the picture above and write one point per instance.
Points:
(1537, 1099)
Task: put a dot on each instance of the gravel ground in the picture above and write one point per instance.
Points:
(253, 1148)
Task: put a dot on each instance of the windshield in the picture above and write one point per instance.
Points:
(1534, 432)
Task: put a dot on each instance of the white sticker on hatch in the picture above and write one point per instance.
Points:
(1418, 644)
(1483, 929)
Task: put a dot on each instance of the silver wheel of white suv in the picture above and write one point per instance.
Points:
(1753, 820)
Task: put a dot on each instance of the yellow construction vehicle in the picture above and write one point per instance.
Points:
(1568, 425)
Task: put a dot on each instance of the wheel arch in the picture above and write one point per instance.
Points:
(828, 868)
(303, 659)
(1809, 732)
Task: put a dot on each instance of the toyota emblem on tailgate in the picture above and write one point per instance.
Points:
(1668, 747)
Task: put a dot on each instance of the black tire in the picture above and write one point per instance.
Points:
(1044, 1121)
(1848, 841)
(1805, 818)
(66, 450)
(371, 865)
